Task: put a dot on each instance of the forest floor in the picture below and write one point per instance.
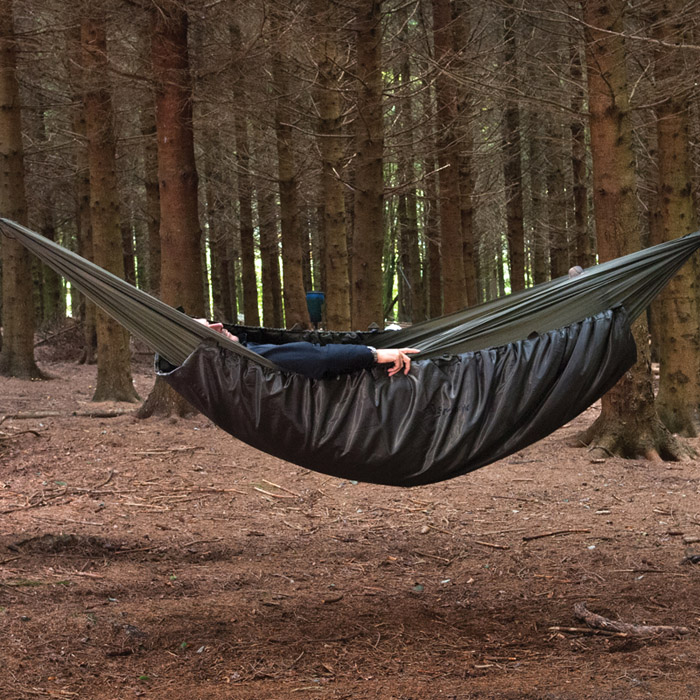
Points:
(163, 559)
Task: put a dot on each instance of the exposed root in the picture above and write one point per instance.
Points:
(610, 438)
(164, 401)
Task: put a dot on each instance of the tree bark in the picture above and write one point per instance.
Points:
(583, 255)
(180, 233)
(269, 258)
(677, 319)
(295, 311)
(217, 180)
(628, 424)
(251, 312)
(114, 382)
(150, 172)
(556, 199)
(330, 145)
(512, 163)
(540, 253)
(451, 243)
(17, 354)
(53, 301)
(368, 231)
(461, 29)
(81, 179)
(432, 235)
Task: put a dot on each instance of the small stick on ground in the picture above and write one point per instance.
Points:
(603, 623)
(587, 630)
(281, 488)
(12, 436)
(527, 538)
(95, 413)
(268, 493)
(492, 545)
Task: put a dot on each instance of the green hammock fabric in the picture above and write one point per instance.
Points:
(631, 281)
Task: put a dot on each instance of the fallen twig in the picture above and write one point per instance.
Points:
(282, 488)
(603, 623)
(553, 533)
(273, 495)
(5, 561)
(12, 436)
(434, 556)
(587, 630)
(492, 545)
(28, 414)
(25, 415)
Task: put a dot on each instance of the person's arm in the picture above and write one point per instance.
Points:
(316, 361)
(319, 361)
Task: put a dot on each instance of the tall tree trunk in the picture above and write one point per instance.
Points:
(17, 354)
(461, 28)
(413, 298)
(54, 301)
(150, 171)
(540, 253)
(269, 258)
(452, 245)
(628, 424)
(88, 310)
(368, 232)
(244, 242)
(114, 382)
(583, 255)
(432, 235)
(245, 218)
(128, 252)
(306, 229)
(180, 233)
(141, 253)
(556, 198)
(52, 296)
(330, 145)
(295, 311)
(677, 324)
(216, 229)
(512, 165)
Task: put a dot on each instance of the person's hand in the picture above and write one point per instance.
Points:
(398, 358)
(219, 328)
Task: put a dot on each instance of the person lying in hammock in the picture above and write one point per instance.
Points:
(324, 361)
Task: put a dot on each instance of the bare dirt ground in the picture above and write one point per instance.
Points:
(163, 559)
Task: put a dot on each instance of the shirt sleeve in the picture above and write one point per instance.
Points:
(316, 361)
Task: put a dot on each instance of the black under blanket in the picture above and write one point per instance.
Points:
(449, 416)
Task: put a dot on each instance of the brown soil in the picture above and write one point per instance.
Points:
(163, 559)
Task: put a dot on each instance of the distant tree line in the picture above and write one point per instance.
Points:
(408, 158)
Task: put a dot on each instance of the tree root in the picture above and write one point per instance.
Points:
(609, 438)
(603, 623)
(165, 402)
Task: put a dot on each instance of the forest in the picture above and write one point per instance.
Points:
(408, 158)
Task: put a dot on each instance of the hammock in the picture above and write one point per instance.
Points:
(489, 381)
